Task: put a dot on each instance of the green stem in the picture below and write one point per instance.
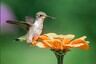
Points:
(60, 58)
(59, 55)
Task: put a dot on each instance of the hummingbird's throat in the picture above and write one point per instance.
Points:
(39, 21)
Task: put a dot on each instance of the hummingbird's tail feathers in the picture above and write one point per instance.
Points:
(17, 39)
(21, 39)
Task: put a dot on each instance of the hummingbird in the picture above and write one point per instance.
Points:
(34, 26)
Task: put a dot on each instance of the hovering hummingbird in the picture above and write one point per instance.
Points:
(34, 29)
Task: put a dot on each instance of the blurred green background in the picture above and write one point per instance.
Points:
(72, 16)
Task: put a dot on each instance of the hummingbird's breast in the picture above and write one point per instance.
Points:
(38, 26)
(35, 29)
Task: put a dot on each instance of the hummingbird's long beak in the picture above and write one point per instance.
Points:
(51, 17)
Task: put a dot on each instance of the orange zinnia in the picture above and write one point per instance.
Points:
(60, 42)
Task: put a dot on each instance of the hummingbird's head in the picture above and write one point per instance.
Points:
(42, 15)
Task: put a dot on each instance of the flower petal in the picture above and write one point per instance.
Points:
(80, 42)
(69, 36)
(43, 37)
(41, 45)
(51, 35)
(54, 35)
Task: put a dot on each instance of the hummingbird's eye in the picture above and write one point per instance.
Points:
(40, 15)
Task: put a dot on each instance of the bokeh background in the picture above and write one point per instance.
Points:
(72, 17)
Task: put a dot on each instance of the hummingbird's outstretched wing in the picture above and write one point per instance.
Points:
(21, 24)
(25, 25)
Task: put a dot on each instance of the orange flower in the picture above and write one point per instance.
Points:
(60, 42)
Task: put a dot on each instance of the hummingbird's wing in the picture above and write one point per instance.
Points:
(29, 20)
(25, 25)
(22, 24)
